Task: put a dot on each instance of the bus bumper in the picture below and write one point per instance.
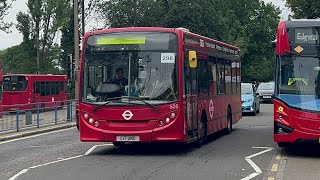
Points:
(173, 132)
(297, 136)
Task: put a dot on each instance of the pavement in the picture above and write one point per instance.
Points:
(10, 135)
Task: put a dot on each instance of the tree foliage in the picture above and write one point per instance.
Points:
(248, 24)
(4, 6)
(39, 27)
(309, 9)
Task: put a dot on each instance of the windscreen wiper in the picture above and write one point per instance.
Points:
(146, 103)
(129, 98)
(108, 101)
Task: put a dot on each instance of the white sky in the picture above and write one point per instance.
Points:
(15, 38)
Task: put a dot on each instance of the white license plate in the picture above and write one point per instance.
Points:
(128, 138)
(267, 97)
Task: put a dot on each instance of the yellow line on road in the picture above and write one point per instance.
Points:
(275, 167)
(271, 178)
(278, 157)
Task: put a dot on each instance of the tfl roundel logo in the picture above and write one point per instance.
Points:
(127, 115)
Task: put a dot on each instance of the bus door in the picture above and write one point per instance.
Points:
(191, 98)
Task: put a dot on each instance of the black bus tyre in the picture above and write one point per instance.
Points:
(204, 129)
(283, 144)
(228, 129)
(119, 144)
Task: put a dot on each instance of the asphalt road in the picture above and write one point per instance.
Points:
(247, 153)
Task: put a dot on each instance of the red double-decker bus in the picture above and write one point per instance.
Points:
(153, 84)
(29, 91)
(297, 92)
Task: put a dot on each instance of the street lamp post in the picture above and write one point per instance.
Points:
(76, 45)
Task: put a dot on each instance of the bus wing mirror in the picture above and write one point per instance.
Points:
(274, 44)
(193, 59)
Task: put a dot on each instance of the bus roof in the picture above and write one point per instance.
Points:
(36, 75)
(173, 30)
(302, 23)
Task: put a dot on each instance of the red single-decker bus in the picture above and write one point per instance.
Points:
(29, 91)
(152, 84)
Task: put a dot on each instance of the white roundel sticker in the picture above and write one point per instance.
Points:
(211, 108)
(127, 115)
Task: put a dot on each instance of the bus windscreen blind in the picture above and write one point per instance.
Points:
(103, 40)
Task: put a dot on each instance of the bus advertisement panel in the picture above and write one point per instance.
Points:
(156, 85)
(27, 91)
(297, 92)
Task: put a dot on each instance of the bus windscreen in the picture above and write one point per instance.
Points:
(15, 83)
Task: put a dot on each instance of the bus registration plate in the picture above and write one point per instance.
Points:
(128, 138)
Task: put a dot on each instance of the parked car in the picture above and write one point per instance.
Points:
(266, 91)
(250, 99)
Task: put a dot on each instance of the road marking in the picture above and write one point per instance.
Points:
(60, 160)
(18, 174)
(37, 135)
(253, 165)
(275, 168)
(278, 157)
(94, 147)
(53, 162)
(271, 178)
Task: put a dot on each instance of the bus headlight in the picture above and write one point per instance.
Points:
(91, 120)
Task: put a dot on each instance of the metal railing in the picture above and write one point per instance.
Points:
(22, 116)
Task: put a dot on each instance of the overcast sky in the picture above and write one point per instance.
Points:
(15, 38)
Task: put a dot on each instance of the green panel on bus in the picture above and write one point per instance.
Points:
(102, 40)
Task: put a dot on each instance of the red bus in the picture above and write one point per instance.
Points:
(29, 91)
(1, 88)
(151, 84)
(297, 82)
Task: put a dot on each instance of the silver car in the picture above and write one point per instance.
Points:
(266, 91)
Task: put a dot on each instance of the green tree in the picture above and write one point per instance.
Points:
(4, 6)
(248, 24)
(45, 17)
(305, 8)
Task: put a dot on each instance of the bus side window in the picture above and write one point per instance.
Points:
(42, 89)
(61, 85)
(37, 87)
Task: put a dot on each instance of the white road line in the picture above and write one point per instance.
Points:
(253, 165)
(28, 137)
(53, 162)
(94, 147)
(18, 174)
(60, 160)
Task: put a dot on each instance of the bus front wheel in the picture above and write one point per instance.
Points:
(119, 144)
(283, 144)
(228, 129)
